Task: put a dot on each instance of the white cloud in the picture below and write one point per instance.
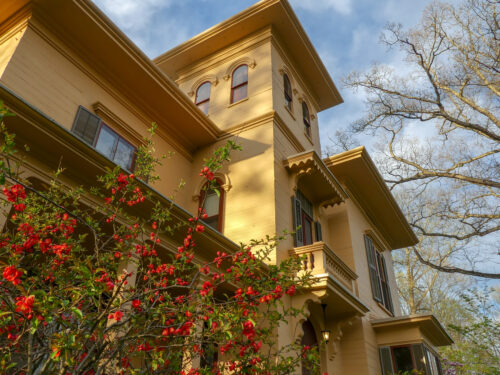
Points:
(132, 15)
(341, 6)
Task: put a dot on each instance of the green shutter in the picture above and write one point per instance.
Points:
(386, 360)
(297, 222)
(372, 267)
(388, 303)
(319, 234)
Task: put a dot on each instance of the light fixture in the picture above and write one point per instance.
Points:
(326, 332)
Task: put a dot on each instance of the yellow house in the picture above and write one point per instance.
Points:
(83, 93)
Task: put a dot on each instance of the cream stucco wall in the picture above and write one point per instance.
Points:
(53, 78)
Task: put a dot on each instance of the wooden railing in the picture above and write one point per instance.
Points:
(320, 259)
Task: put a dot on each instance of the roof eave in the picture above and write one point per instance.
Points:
(398, 235)
(252, 19)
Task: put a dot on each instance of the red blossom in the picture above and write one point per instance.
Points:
(25, 304)
(14, 193)
(12, 274)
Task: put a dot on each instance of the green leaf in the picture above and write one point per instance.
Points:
(77, 312)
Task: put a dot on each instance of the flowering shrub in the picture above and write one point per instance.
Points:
(89, 285)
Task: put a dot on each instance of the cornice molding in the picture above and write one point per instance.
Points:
(243, 47)
(15, 23)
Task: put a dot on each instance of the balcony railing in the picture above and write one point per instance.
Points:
(320, 259)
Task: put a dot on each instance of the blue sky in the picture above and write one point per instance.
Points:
(344, 32)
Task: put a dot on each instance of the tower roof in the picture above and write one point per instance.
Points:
(277, 14)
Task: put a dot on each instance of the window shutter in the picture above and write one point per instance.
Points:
(418, 356)
(389, 304)
(297, 222)
(319, 234)
(372, 266)
(86, 125)
(386, 360)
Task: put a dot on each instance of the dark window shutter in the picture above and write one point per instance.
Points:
(297, 222)
(386, 360)
(388, 304)
(439, 367)
(372, 266)
(86, 125)
(319, 234)
(418, 356)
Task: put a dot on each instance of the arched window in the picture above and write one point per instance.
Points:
(307, 118)
(288, 91)
(203, 96)
(212, 201)
(239, 84)
(309, 339)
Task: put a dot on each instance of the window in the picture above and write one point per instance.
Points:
(212, 201)
(378, 275)
(287, 91)
(239, 84)
(407, 358)
(307, 118)
(303, 221)
(94, 132)
(203, 96)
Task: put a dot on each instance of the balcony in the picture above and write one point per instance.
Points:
(321, 260)
(335, 283)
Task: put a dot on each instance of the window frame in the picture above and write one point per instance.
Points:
(287, 91)
(220, 213)
(240, 85)
(207, 100)
(97, 134)
(306, 118)
(301, 217)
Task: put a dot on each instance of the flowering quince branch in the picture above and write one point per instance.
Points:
(87, 285)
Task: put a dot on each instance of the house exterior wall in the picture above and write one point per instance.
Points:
(54, 79)
(281, 65)
(57, 79)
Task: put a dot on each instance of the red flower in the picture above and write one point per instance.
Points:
(248, 330)
(12, 274)
(116, 316)
(15, 192)
(136, 304)
(291, 290)
(118, 255)
(25, 304)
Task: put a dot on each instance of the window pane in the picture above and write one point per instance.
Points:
(213, 222)
(124, 154)
(86, 125)
(240, 76)
(403, 359)
(203, 92)
(211, 204)
(107, 142)
(239, 93)
(204, 106)
(307, 229)
(288, 91)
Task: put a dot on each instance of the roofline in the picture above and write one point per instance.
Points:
(412, 319)
(11, 99)
(362, 153)
(248, 13)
